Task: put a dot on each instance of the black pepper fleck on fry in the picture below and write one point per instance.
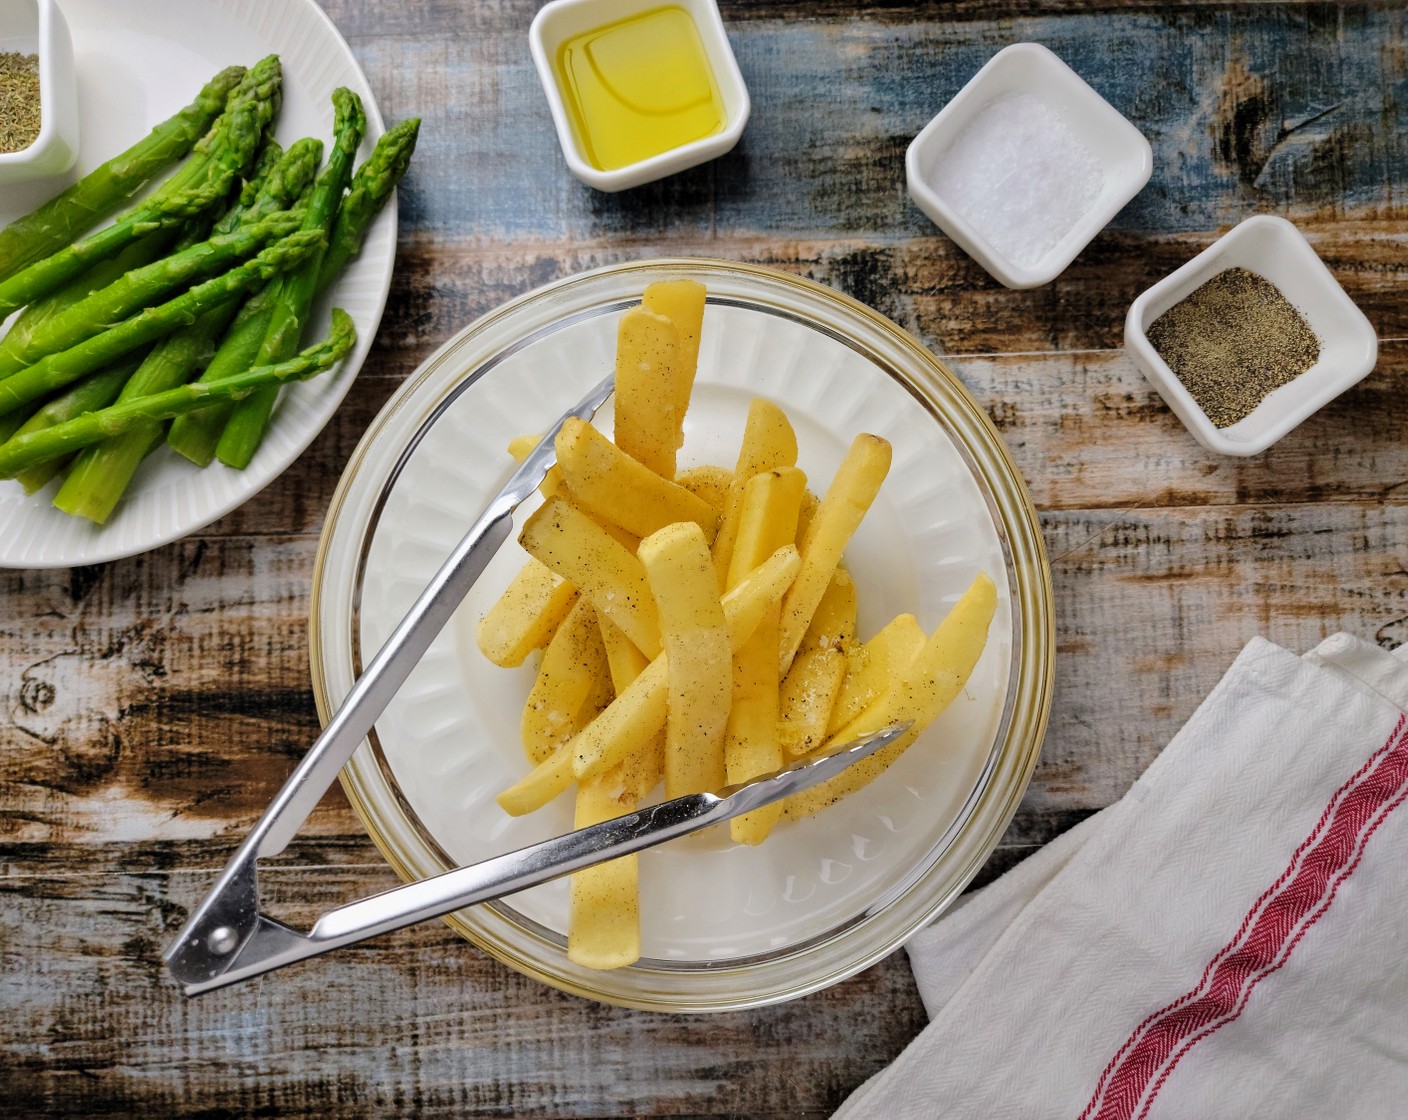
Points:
(1232, 341)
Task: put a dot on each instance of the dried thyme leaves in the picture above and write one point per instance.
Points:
(1233, 341)
(19, 100)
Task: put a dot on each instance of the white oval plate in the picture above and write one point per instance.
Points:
(451, 735)
(139, 61)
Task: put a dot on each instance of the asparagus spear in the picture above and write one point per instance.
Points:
(44, 276)
(106, 187)
(140, 287)
(100, 474)
(245, 428)
(62, 439)
(195, 435)
(97, 390)
(57, 370)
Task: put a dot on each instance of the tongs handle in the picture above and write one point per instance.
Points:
(229, 915)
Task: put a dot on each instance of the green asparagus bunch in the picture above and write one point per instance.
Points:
(190, 305)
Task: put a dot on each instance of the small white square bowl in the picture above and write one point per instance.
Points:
(1275, 250)
(563, 19)
(38, 27)
(1121, 150)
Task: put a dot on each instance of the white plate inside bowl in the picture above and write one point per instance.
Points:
(140, 61)
(450, 740)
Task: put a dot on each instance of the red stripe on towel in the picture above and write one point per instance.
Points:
(1269, 933)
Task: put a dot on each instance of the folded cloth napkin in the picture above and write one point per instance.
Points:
(1230, 939)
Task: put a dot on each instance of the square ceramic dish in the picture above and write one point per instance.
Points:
(722, 925)
(38, 27)
(562, 20)
(1274, 249)
(1118, 148)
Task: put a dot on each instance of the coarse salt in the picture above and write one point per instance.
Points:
(1019, 176)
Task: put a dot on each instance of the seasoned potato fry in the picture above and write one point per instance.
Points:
(751, 745)
(647, 371)
(833, 624)
(572, 664)
(847, 498)
(526, 615)
(604, 918)
(809, 693)
(923, 690)
(768, 443)
(870, 668)
(708, 483)
(581, 551)
(639, 711)
(696, 641)
(608, 483)
(682, 302)
(767, 519)
(544, 782)
(520, 447)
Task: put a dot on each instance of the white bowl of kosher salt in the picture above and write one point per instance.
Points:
(1026, 165)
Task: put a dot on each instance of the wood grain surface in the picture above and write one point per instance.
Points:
(152, 706)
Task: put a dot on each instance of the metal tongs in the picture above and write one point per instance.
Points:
(227, 938)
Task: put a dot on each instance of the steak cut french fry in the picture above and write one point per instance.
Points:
(695, 637)
(682, 302)
(639, 711)
(767, 519)
(833, 624)
(768, 443)
(526, 615)
(647, 371)
(604, 910)
(751, 745)
(572, 663)
(850, 494)
(920, 693)
(607, 482)
(871, 666)
(579, 550)
(708, 483)
(808, 694)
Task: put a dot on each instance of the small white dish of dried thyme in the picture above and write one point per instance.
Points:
(38, 91)
(1250, 337)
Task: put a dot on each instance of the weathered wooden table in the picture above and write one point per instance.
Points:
(154, 705)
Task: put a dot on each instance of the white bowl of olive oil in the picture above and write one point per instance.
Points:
(638, 89)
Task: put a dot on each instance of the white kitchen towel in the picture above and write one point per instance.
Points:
(1230, 939)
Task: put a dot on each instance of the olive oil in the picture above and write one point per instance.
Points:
(639, 87)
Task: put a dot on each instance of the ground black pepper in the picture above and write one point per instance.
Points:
(1232, 341)
(19, 101)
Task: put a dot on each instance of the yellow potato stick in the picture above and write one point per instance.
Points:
(809, 693)
(521, 446)
(833, 624)
(854, 487)
(767, 519)
(804, 519)
(572, 663)
(526, 615)
(639, 712)
(920, 693)
(768, 443)
(708, 483)
(607, 482)
(682, 302)
(623, 656)
(647, 371)
(603, 569)
(870, 667)
(696, 641)
(540, 785)
(751, 744)
(603, 928)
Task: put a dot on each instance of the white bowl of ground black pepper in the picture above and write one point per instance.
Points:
(1250, 337)
(38, 92)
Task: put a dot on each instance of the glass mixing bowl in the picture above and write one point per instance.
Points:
(723, 926)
